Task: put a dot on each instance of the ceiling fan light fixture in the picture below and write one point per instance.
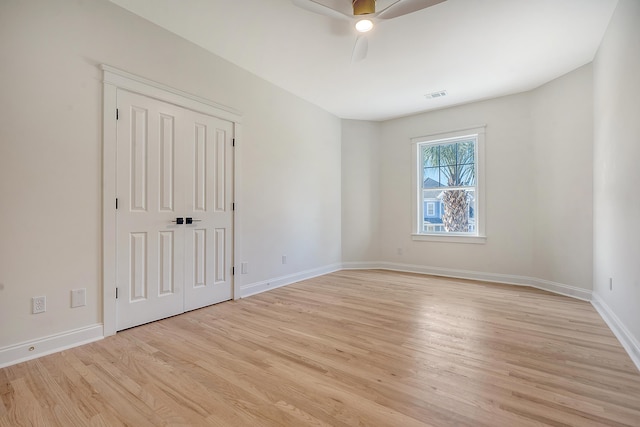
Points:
(363, 7)
(364, 25)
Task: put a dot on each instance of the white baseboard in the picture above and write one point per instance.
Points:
(28, 350)
(628, 341)
(546, 285)
(33, 349)
(265, 285)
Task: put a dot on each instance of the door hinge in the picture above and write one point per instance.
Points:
(117, 114)
(233, 271)
(116, 203)
(233, 206)
(233, 142)
(116, 293)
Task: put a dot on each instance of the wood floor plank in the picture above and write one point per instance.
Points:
(365, 348)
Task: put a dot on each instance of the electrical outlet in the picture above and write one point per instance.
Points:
(399, 251)
(244, 268)
(284, 259)
(78, 297)
(38, 305)
(610, 283)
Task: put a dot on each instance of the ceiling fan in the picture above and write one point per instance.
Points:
(365, 16)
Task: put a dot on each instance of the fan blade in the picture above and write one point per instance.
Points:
(404, 7)
(321, 9)
(360, 49)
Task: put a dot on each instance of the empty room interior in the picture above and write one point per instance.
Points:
(253, 213)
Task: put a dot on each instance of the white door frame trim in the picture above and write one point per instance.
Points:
(114, 79)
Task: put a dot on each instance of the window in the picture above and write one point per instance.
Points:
(431, 209)
(448, 186)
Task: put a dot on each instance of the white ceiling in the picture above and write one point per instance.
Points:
(473, 49)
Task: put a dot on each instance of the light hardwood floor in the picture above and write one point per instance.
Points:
(371, 348)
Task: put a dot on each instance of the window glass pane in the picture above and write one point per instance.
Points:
(445, 209)
(448, 176)
(466, 157)
(448, 154)
(466, 152)
(459, 211)
(431, 209)
(430, 155)
(431, 178)
(431, 194)
(467, 175)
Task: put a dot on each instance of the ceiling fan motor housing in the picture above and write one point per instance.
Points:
(364, 7)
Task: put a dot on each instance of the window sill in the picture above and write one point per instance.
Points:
(449, 239)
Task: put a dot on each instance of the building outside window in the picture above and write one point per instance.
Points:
(431, 209)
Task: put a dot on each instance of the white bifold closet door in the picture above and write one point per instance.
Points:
(174, 216)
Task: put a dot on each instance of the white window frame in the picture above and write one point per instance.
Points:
(478, 132)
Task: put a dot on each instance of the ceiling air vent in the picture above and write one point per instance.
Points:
(438, 94)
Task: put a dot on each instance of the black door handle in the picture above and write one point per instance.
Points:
(180, 221)
(191, 220)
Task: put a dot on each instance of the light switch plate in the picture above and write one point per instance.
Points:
(78, 297)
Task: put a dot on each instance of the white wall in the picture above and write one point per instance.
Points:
(51, 157)
(509, 187)
(617, 174)
(538, 189)
(360, 190)
(562, 131)
(304, 172)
